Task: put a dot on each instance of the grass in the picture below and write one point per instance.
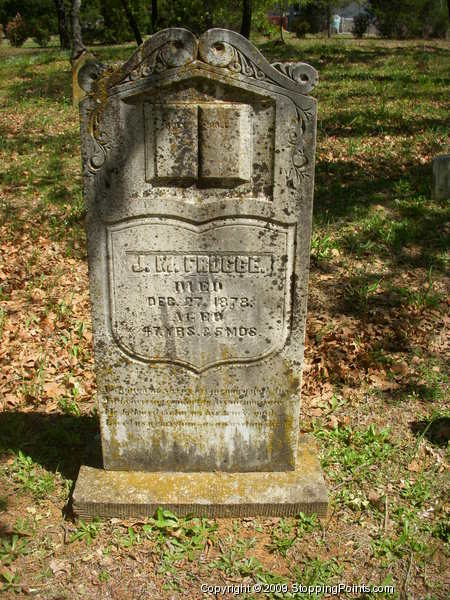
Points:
(85, 532)
(375, 391)
(39, 483)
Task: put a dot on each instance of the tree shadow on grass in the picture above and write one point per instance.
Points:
(49, 165)
(46, 173)
(369, 121)
(437, 430)
(113, 53)
(316, 51)
(372, 298)
(56, 85)
(336, 52)
(56, 442)
(348, 190)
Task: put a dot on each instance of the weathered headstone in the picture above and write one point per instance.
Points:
(198, 161)
(441, 177)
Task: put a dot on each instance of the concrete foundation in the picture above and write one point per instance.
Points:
(124, 494)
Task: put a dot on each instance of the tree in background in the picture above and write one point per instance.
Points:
(320, 12)
(410, 18)
(196, 15)
(316, 15)
(155, 15)
(78, 48)
(132, 22)
(16, 31)
(116, 21)
(247, 18)
(360, 25)
(39, 18)
(120, 20)
(200, 15)
(63, 30)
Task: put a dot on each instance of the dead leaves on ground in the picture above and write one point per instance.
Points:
(46, 333)
(46, 338)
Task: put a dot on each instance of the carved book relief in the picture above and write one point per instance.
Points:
(182, 141)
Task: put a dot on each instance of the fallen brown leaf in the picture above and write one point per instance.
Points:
(59, 566)
(333, 423)
(414, 466)
(315, 412)
(400, 368)
(53, 390)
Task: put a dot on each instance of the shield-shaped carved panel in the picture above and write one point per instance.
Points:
(200, 294)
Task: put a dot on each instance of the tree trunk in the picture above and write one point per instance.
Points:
(448, 29)
(77, 41)
(132, 22)
(106, 14)
(281, 23)
(329, 20)
(155, 15)
(247, 18)
(64, 38)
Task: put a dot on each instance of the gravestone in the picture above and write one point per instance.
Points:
(198, 166)
(441, 177)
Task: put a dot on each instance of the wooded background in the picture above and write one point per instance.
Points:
(117, 21)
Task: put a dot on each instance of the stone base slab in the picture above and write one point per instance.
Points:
(124, 494)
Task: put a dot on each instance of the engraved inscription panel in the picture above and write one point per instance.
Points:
(225, 426)
(225, 142)
(208, 143)
(200, 294)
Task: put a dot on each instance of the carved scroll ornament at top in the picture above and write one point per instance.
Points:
(166, 49)
(301, 73)
(230, 50)
(172, 48)
(175, 48)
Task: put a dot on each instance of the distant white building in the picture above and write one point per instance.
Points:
(346, 14)
(342, 19)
